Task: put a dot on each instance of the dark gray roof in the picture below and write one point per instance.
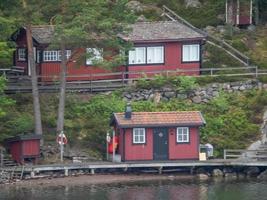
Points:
(162, 31)
(43, 34)
(140, 32)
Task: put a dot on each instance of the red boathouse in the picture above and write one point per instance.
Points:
(157, 46)
(24, 148)
(158, 135)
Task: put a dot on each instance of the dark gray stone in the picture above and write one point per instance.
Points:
(169, 94)
(252, 171)
(263, 175)
(217, 173)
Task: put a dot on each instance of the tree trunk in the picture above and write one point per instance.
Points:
(35, 93)
(62, 92)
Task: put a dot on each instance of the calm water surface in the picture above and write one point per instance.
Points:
(171, 189)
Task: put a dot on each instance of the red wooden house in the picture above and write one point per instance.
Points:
(239, 12)
(166, 45)
(158, 135)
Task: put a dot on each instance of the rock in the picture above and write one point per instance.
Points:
(181, 96)
(221, 17)
(135, 6)
(217, 173)
(128, 96)
(157, 97)
(196, 99)
(230, 175)
(192, 3)
(221, 29)
(141, 18)
(263, 175)
(252, 171)
(215, 93)
(203, 176)
(210, 29)
(169, 94)
(251, 28)
(242, 88)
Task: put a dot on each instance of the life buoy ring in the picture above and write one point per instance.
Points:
(62, 139)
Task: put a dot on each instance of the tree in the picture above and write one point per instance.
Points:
(94, 24)
(27, 12)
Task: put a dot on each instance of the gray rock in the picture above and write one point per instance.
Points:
(181, 96)
(128, 96)
(135, 6)
(221, 29)
(169, 94)
(192, 3)
(202, 176)
(251, 28)
(252, 171)
(197, 99)
(263, 175)
(217, 173)
(230, 175)
(242, 88)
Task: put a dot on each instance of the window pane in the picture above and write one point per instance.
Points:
(186, 53)
(94, 54)
(140, 55)
(191, 52)
(132, 57)
(155, 54)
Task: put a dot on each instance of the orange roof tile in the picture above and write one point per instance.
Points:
(159, 119)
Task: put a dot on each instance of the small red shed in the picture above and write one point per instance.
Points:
(24, 148)
(239, 12)
(158, 135)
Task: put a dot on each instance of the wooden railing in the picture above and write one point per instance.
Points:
(245, 154)
(215, 41)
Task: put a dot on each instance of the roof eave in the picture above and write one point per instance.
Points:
(168, 40)
(160, 125)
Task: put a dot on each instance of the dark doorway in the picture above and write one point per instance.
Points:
(160, 144)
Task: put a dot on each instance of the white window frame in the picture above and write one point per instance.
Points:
(139, 135)
(68, 54)
(97, 55)
(181, 132)
(21, 54)
(189, 55)
(154, 59)
(54, 55)
(134, 59)
(50, 56)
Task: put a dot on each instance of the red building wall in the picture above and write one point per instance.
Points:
(145, 151)
(15, 151)
(21, 43)
(138, 151)
(172, 61)
(187, 150)
(30, 147)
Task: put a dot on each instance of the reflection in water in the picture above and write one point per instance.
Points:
(171, 189)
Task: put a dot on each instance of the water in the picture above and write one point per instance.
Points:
(149, 190)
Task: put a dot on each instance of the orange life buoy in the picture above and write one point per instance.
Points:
(115, 146)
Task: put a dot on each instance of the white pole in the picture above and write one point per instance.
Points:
(61, 146)
(113, 150)
(107, 138)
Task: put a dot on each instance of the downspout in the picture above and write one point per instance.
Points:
(237, 12)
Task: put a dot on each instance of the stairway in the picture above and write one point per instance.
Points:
(215, 41)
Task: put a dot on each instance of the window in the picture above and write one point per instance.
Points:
(50, 55)
(68, 54)
(55, 55)
(22, 54)
(95, 54)
(137, 56)
(191, 53)
(139, 136)
(182, 134)
(155, 54)
(146, 55)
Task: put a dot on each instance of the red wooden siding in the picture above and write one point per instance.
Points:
(172, 61)
(21, 43)
(145, 151)
(138, 151)
(184, 150)
(244, 12)
(15, 151)
(31, 147)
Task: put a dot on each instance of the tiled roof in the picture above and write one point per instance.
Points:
(160, 119)
(162, 31)
(43, 34)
